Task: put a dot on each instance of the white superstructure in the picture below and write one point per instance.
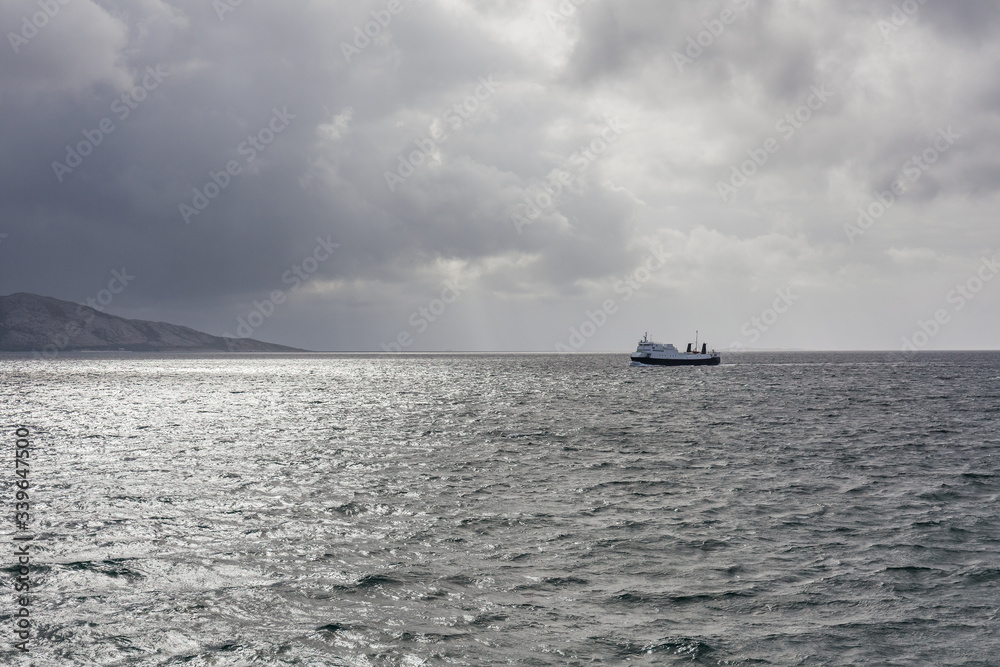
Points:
(649, 353)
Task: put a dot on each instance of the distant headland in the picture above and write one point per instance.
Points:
(29, 322)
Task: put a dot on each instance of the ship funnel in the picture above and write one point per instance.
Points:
(704, 348)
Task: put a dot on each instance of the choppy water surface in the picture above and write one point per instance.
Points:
(503, 509)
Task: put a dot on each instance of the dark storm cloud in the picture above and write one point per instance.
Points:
(471, 139)
(224, 80)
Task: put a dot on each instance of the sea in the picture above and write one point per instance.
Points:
(794, 508)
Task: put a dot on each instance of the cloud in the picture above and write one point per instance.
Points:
(532, 145)
(61, 48)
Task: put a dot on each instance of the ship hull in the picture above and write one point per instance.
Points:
(653, 361)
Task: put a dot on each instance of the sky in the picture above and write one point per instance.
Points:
(510, 175)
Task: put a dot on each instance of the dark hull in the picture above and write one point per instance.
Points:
(650, 361)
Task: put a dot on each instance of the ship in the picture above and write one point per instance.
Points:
(649, 353)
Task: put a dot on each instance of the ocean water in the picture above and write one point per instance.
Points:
(779, 509)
